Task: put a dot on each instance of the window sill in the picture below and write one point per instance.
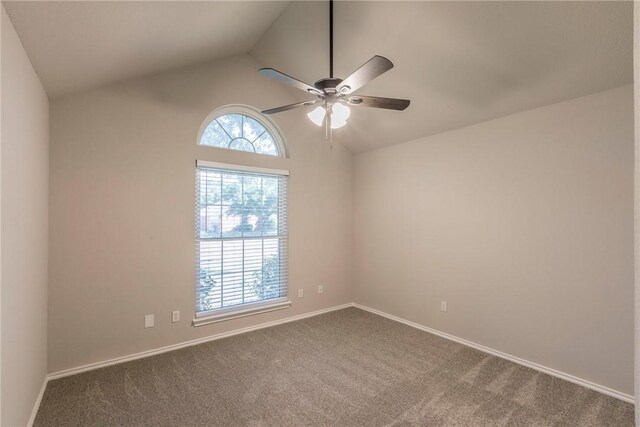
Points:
(241, 312)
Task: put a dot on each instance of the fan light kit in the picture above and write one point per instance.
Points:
(339, 114)
(334, 94)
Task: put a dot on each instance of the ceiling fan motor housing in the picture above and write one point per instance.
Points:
(328, 85)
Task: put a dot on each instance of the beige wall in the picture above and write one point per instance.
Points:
(25, 200)
(523, 224)
(122, 209)
(636, 57)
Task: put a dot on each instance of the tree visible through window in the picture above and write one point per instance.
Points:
(239, 132)
(241, 238)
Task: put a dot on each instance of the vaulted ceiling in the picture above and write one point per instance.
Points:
(78, 45)
(460, 63)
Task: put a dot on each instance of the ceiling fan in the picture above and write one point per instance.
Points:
(336, 95)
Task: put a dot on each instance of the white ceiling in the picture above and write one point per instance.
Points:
(76, 45)
(459, 62)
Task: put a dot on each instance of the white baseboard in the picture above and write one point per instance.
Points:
(143, 354)
(36, 405)
(553, 372)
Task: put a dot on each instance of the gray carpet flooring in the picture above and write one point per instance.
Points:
(344, 368)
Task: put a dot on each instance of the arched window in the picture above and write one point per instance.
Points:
(241, 128)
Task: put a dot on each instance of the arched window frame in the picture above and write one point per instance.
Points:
(256, 115)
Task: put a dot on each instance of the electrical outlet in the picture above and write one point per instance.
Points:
(443, 305)
(148, 321)
(300, 293)
(175, 316)
(320, 289)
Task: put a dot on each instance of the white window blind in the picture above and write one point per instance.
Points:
(241, 238)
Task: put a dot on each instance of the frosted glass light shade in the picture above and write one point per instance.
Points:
(339, 115)
(317, 115)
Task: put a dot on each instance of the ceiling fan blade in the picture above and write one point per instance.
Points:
(363, 75)
(284, 78)
(378, 102)
(289, 107)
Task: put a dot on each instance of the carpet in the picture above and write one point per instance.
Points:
(343, 368)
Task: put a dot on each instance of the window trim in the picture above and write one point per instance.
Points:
(255, 114)
(249, 309)
(220, 315)
(241, 168)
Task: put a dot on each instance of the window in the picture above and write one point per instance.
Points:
(241, 241)
(241, 128)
